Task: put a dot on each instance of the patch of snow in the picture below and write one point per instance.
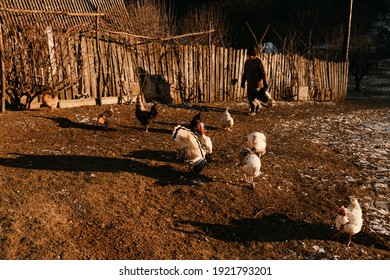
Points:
(362, 135)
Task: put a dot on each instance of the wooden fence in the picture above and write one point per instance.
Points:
(181, 73)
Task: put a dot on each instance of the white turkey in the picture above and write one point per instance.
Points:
(257, 143)
(349, 220)
(190, 149)
(227, 120)
(249, 165)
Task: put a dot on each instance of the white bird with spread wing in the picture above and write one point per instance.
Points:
(349, 220)
(227, 120)
(190, 149)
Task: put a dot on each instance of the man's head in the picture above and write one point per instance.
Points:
(251, 51)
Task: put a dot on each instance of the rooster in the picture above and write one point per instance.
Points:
(49, 100)
(195, 123)
(190, 148)
(349, 220)
(227, 120)
(145, 117)
(105, 117)
(197, 127)
(249, 164)
(257, 143)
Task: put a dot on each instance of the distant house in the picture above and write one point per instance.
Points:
(14, 12)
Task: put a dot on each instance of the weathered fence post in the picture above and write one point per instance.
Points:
(99, 94)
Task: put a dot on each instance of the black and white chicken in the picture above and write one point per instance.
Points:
(144, 116)
(190, 149)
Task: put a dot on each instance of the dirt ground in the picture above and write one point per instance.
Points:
(72, 190)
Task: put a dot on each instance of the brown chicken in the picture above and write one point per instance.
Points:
(49, 100)
(106, 116)
(145, 117)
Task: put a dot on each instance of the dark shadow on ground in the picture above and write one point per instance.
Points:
(164, 174)
(275, 228)
(67, 123)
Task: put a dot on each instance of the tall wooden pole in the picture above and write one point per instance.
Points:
(347, 35)
(99, 94)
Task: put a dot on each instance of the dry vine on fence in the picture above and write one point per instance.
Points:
(33, 59)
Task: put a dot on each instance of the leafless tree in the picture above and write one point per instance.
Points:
(363, 58)
(151, 18)
(33, 59)
(204, 18)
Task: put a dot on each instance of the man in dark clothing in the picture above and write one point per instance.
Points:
(255, 77)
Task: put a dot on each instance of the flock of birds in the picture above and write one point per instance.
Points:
(195, 148)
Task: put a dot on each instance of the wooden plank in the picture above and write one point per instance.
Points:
(77, 103)
(226, 69)
(198, 72)
(116, 70)
(110, 100)
(235, 81)
(130, 65)
(122, 86)
(163, 63)
(73, 71)
(242, 57)
(79, 66)
(204, 73)
(212, 73)
(85, 57)
(185, 72)
(105, 69)
(196, 77)
(219, 66)
(190, 73)
(93, 66)
(156, 57)
(65, 68)
(218, 74)
(228, 87)
(174, 53)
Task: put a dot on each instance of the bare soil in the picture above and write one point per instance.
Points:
(71, 189)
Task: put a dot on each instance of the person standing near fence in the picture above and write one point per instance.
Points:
(255, 78)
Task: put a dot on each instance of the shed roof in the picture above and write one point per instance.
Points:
(114, 10)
